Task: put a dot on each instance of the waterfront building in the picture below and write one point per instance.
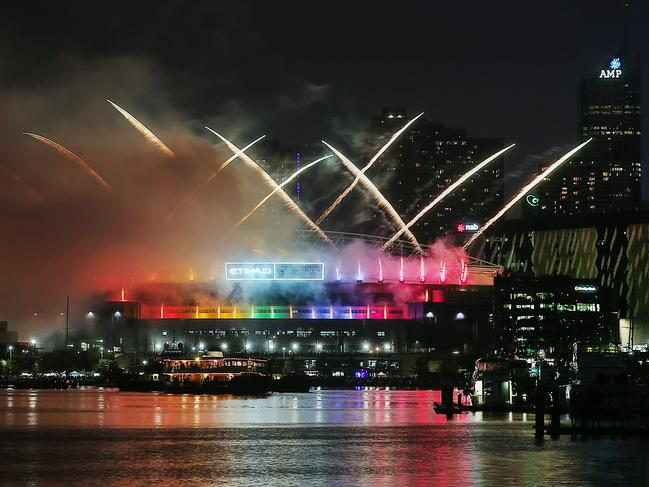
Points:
(612, 251)
(538, 317)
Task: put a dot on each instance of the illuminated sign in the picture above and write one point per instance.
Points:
(274, 271)
(532, 200)
(467, 227)
(585, 288)
(614, 72)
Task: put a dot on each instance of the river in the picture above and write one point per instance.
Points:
(359, 438)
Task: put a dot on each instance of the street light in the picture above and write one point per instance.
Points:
(11, 349)
(283, 352)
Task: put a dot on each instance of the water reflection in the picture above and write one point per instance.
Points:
(368, 437)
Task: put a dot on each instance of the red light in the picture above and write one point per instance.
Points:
(461, 228)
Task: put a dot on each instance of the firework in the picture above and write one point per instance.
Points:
(35, 195)
(71, 156)
(380, 271)
(526, 189)
(446, 192)
(145, 132)
(373, 190)
(213, 175)
(349, 188)
(272, 184)
(279, 187)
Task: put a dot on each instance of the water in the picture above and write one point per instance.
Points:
(360, 438)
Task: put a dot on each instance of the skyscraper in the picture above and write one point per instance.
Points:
(605, 177)
(424, 161)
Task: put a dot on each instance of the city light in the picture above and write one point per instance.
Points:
(294, 346)
(224, 346)
(366, 346)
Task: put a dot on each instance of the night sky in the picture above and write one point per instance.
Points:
(300, 71)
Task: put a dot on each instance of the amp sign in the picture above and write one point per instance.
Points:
(274, 271)
(614, 72)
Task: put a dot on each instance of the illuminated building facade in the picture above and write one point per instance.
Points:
(546, 315)
(605, 176)
(613, 251)
(425, 160)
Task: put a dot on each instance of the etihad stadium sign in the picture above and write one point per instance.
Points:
(615, 70)
(274, 271)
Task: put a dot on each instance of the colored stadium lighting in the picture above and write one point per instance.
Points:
(422, 270)
(463, 272)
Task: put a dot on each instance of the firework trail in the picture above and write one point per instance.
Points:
(213, 175)
(279, 187)
(373, 190)
(446, 192)
(526, 189)
(271, 182)
(349, 188)
(70, 156)
(35, 195)
(380, 270)
(145, 132)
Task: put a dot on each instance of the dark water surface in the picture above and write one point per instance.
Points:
(360, 438)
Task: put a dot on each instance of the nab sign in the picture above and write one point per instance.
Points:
(274, 271)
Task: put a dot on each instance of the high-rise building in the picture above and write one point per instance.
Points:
(428, 158)
(605, 176)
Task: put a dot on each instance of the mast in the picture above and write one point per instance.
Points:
(67, 322)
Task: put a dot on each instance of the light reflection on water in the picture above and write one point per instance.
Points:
(103, 437)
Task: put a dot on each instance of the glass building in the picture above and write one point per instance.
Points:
(545, 316)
